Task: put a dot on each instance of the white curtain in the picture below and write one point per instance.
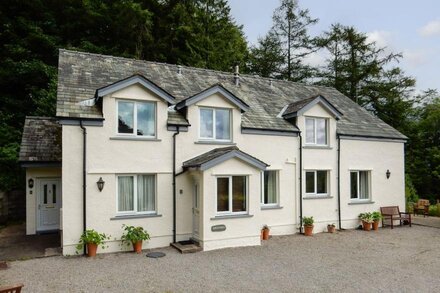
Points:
(270, 187)
(310, 130)
(125, 193)
(363, 185)
(146, 196)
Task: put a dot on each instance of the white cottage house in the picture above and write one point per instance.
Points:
(190, 153)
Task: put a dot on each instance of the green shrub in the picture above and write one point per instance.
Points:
(434, 210)
(91, 236)
(134, 234)
(366, 217)
(308, 221)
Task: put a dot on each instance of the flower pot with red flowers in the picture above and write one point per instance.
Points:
(367, 220)
(376, 216)
(265, 233)
(92, 239)
(134, 236)
(308, 226)
(331, 228)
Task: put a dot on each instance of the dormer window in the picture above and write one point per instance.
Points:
(215, 124)
(316, 131)
(136, 118)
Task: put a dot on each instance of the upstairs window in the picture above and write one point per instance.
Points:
(360, 185)
(215, 124)
(137, 118)
(316, 131)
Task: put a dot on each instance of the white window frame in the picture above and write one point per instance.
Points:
(315, 194)
(358, 185)
(277, 179)
(327, 125)
(135, 118)
(229, 211)
(213, 138)
(135, 179)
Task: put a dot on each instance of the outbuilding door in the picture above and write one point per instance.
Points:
(196, 211)
(48, 204)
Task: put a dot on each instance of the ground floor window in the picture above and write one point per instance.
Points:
(270, 188)
(136, 193)
(360, 185)
(231, 194)
(317, 183)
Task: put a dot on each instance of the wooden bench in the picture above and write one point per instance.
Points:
(11, 289)
(422, 206)
(392, 213)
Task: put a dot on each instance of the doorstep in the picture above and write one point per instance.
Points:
(187, 246)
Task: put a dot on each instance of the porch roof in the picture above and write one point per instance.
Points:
(219, 155)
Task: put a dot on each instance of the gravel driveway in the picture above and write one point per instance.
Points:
(400, 260)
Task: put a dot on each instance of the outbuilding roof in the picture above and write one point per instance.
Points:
(81, 74)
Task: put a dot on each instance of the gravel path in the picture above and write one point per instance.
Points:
(400, 260)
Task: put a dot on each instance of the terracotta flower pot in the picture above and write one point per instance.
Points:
(376, 225)
(265, 233)
(308, 230)
(91, 249)
(137, 246)
(331, 229)
(366, 226)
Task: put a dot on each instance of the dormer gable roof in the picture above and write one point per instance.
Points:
(300, 107)
(215, 89)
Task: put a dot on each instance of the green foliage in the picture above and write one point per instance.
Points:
(308, 221)
(434, 210)
(410, 191)
(134, 234)
(366, 217)
(376, 216)
(91, 236)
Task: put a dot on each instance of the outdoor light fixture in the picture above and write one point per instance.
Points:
(100, 184)
(388, 173)
(31, 183)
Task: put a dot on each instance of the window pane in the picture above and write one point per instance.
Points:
(310, 182)
(270, 187)
(222, 124)
(45, 194)
(146, 193)
(125, 117)
(353, 185)
(321, 131)
(206, 123)
(125, 193)
(222, 194)
(310, 130)
(363, 185)
(146, 113)
(321, 182)
(239, 194)
(54, 195)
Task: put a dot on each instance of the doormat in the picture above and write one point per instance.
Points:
(155, 254)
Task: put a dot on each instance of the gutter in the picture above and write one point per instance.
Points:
(300, 185)
(339, 182)
(174, 183)
(84, 177)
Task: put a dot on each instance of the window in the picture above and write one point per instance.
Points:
(215, 124)
(317, 183)
(137, 118)
(270, 188)
(360, 185)
(231, 194)
(136, 194)
(316, 131)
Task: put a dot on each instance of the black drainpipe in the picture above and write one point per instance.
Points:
(84, 176)
(300, 184)
(339, 182)
(174, 183)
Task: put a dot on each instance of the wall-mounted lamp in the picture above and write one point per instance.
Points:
(388, 173)
(100, 184)
(31, 183)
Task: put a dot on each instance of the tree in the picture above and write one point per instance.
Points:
(266, 58)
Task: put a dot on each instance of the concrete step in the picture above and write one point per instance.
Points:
(186, 247)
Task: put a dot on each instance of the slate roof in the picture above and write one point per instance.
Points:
(296, 106)
(80, 74)
(41, 140)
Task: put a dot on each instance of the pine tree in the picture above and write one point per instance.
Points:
(266, 58)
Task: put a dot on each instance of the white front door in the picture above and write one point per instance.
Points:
(196, 211)
(48, 204)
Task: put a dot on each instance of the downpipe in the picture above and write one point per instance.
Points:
(300, 185)
(174, 184)
(84, 178)
(339, 182)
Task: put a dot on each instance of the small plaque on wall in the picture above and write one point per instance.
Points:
(218, 228)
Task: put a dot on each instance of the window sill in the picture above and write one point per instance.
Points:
(361, 202)
(317, 197)
(140, 216)
(232, 217)
(268, 207)
(137, 138)
(324, 147)
(215, 142)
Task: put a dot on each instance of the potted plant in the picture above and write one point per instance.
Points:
(376, 216)
(265, 232)
(92, 239)
(366, 219)
(331, 228)
(308, 226)
(135, 236)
